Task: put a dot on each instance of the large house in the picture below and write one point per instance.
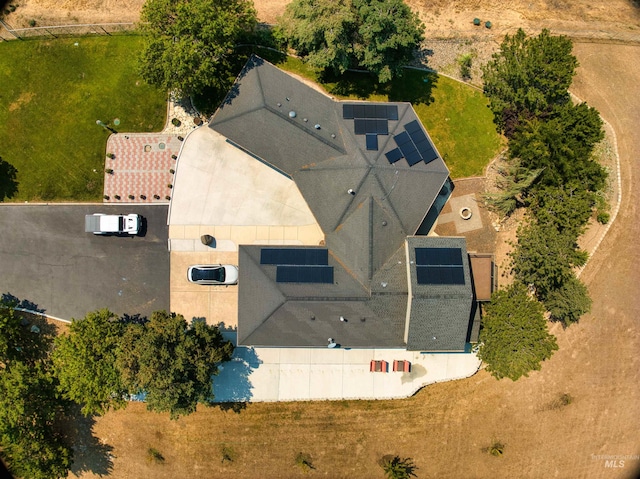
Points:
(375, 183)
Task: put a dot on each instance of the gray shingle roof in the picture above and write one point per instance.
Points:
(439, 315)
(274, 116)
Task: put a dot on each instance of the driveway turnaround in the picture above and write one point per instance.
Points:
(48, 260)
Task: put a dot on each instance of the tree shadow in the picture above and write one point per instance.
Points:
(90, 453)
(134, 319)
(8, 182)
(232, 387)
(15, 302)
(414, 86)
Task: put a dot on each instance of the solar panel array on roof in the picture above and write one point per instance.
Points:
(439, 266)
(413, 145)
(367, 111)
(294, 256)
(439, 275)
(304, 274)
(379, 127)
(438, 256)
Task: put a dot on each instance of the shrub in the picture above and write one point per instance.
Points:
(155, 456)
(176, 122)
(32, 23)
(111, 155)
(228, 454)
(397, 468)
(465, 61)
(169, 185)
(131, 197)
(109, 171)
(495, 449)
(117, 197)
(303, 461)
(172, 171)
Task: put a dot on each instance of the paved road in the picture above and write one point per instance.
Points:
(49, 260)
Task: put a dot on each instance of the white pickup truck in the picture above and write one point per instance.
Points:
(101, 224)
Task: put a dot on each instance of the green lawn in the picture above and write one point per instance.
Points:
(51, 94)
(455, 115)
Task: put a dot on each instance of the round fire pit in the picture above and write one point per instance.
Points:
(465, 213)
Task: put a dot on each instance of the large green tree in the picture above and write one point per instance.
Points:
(85, 362)
(29, 410)
(378, 35)
(528, 77)
(568, 302)
(30, 407)
(189, 43)
(545, 257)
(514, 339)
(566, 208)
(561, 146)
(172, 363)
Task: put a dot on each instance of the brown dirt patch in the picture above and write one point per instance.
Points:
(23, 99)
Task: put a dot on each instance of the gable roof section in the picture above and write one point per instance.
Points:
(438, 315)
(279, 314)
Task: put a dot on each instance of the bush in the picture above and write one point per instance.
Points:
(303, 461)
(155, 456)
(496, 449)
(176, 122)
(109, 171)
(465, 61)
(32, 23)
(228, 454)
(111, 155)
(397, 468)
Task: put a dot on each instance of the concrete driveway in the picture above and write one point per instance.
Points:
(48, 260)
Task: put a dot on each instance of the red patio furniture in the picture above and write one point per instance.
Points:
(402, 366)
(378, 366)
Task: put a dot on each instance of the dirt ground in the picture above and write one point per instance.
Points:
(445, 426)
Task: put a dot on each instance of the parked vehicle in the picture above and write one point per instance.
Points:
(102, 224)
(213, 274)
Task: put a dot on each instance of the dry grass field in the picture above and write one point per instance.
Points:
(445, 427)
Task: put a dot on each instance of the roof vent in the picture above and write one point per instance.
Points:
(279, 104)
(305, 120)
(351, 191)
(333, 135)
(317, 127)
(384, 223)
(292, 114)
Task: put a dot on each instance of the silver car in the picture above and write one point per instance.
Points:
(213, 274)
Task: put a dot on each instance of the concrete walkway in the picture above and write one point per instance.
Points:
(297, 374)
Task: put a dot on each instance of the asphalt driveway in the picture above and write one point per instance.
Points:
(47, 259)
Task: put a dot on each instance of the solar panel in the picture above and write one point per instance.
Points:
(294, 256)
(381, 112)
(393, 155)
(372, 141)
(412, 126)
(382, 127)
(304, 274)
(392, 112)
(347, 112)
(358, 111)
(438, 257)
(360, 126)
(438, 275)
(370, 111)
(402, 138)
(413, 157)
(417, 136)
